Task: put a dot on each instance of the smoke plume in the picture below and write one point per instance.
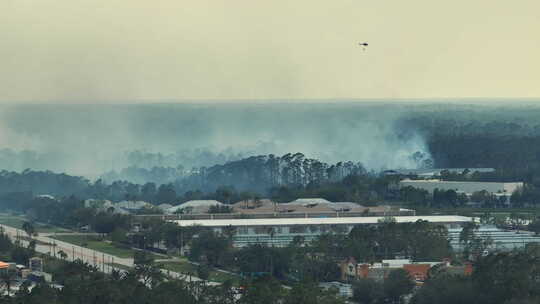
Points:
(91, 139)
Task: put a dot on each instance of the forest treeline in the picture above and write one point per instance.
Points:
(505, 138)
(246, 179)
(258, 175)
(469, 136)
(255, 173)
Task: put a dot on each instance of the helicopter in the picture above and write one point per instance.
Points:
(364, 45)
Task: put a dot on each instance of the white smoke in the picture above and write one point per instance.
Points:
(89, 140)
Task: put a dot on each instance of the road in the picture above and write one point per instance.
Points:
(104, 262)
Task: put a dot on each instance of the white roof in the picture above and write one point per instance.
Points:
(194, 204)
(132, 204)
(46, 196)
(397, 262)
(321, 221)
(308, 201)
(97, 203)
(197, 203)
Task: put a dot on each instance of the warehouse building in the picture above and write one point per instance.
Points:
(499, 239)
(282, 231)
(462, 187)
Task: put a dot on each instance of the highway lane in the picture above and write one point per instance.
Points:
(104, 262)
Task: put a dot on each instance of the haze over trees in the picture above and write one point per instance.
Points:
(306, 148)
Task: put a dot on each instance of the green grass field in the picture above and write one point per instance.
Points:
(43, 228)
(186, 267)
(17, 221)
(97, 244)
(12, 220)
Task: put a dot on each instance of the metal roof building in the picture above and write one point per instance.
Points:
(501, 239)
(443, 219)
(465, 187)
(436, 171)
(282, 231)
(195, 206)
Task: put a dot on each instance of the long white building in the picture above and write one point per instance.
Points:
(464, 187)
(281, 231)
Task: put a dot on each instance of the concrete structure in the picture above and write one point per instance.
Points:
(36, 264)
(462, 187)
(282, 231)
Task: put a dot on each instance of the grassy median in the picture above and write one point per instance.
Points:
(185, 267)
(96, 243)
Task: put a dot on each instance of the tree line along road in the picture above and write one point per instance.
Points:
(102, 261)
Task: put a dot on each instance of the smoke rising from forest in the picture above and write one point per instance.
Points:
(92, 139)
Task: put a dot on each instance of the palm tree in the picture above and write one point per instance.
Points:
(29, 228)
(62, 255)
(32, 246)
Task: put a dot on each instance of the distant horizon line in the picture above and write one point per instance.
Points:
(246, 101)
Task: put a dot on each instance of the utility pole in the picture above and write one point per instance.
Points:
(181, 241)
(54, 244)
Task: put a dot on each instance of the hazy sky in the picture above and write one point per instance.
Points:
(92, 50)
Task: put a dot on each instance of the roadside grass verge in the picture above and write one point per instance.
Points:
(100, 245)
(17, 221)
(187, 268)
(14, 221)
(97, 244)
